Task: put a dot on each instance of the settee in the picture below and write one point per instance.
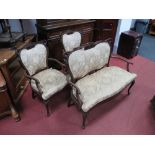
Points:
(91, 78)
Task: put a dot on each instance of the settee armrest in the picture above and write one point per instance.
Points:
(123, 59)
(63, 66)
(37, 83)
(77, 90)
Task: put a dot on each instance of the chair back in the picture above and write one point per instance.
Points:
(71, 40)
(34, 59)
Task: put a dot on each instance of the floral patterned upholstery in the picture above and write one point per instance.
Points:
(71, 41)
(34, 59)
(83, 61)
(51, 81)
(102, 84)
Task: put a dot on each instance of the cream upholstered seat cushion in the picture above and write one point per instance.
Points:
(71, 41)
(102, 84)
(34, 59)
(51, 81)
(83, 61)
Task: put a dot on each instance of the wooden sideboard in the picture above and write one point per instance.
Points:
(104, 29)
(53, 29)
(92, 30)
(13, 73)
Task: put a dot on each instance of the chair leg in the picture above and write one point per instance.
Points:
(47, 109)
(84, 116)
(133, 82)
(70, 102)
(33, 94)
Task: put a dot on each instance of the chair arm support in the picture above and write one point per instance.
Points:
(63, 66)
(73, 85)
(123, 59)
(37, 83)
(78, 92)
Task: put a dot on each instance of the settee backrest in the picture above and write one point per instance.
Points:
(34, 59)
(82, 62)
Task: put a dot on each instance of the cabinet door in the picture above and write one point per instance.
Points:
(4, 101)
(105, 28)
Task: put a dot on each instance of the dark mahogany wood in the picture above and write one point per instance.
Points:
(129, 44)
(104, 29)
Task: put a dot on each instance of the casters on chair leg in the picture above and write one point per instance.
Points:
(133, 82)
(84, 115)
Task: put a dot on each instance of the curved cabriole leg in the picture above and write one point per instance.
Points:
(133, 82)
(84, 116)
(47, 108)
(70, 102)
(33, 94)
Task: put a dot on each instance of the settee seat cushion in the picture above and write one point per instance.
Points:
(102, 84)
(51, 81)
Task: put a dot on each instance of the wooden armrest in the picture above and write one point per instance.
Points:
(37, 83)
(63, 66)
(78, 92)
(73, 85)
(123, 59)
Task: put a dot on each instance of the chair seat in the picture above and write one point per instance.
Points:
(51, 81)
(102, 84)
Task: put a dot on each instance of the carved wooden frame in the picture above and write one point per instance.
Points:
(76, 99)
(30, 77)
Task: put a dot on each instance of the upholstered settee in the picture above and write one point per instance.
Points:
(92, 79)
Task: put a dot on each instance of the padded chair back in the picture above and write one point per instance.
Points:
(71, 41)
(34, 59)
(82, 62)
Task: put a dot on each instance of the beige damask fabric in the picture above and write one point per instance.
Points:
(35, 58)
(83, 61)
(51, 81)
(102, 84)
(71, 41)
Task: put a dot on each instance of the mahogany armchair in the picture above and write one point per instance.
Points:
(44, 81)
(92, 79)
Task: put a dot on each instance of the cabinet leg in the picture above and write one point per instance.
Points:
(14, 113)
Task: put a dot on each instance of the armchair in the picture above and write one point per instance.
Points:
(44, 81)
(70, 40)
(93, 80)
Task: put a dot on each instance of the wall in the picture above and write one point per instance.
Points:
(29, 25)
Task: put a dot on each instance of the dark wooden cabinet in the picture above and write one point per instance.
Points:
(104, 29)
(129, 44)
(53, 29)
